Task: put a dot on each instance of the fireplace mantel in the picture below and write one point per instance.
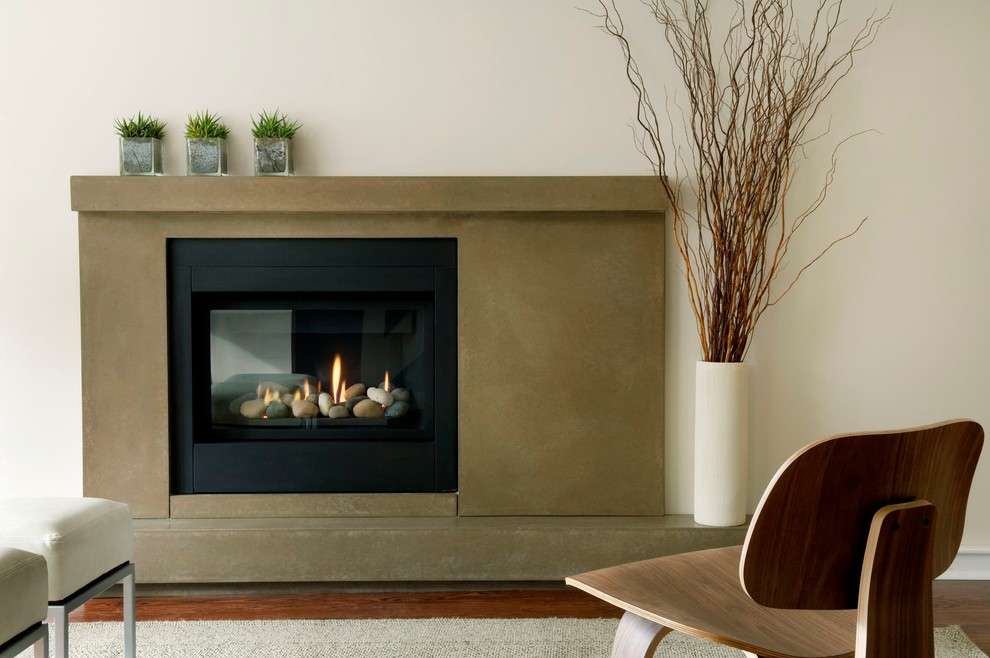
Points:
(560, 379)
(358, 194)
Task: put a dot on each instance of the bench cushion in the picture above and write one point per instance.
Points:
(81, 538)
(23, 591)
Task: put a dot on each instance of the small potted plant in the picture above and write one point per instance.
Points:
(141, 152)
(273, 144)
(206, 145)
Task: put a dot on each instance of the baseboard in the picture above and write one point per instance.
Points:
(971, 563)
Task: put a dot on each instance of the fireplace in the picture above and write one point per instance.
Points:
(559, 378)
(313, 365)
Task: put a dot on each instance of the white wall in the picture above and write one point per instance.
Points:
(887, 331)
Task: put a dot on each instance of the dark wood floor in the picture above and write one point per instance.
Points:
(962, 603)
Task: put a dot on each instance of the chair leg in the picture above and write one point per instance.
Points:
(637, 637)
(130, 640)
(60, 629)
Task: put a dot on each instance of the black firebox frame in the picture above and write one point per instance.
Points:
(204, 460)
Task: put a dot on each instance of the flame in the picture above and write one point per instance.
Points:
(306, 389)
(343, 391)
(268, 396)
(388, 387)
(297, 395)
(335, 381)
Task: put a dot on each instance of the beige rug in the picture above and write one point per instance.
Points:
(401, 638)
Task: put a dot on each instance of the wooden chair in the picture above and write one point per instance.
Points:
(839, 558)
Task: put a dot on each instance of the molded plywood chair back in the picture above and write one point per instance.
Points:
(807, 539)
(839, 558)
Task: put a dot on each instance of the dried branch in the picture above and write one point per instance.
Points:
(751, 96)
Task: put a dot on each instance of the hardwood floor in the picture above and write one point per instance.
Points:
(962, 603)
(965, 603)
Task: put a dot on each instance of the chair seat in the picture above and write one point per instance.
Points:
(681, 591)
(80, 538)
(23, 592)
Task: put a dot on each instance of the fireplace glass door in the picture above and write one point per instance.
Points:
(312, 366)
(347, 367)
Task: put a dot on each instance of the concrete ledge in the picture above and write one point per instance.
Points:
(285, 550)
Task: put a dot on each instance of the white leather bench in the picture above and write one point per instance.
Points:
(23, 603)
(88, 544)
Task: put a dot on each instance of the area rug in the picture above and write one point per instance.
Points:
(401, 638)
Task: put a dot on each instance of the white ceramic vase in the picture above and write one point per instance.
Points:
(721, 440)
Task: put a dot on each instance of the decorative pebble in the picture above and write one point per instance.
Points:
(304, 409)
(353, 402)
(401, 394)
(325, 402)
(397, 409)
(381, 396)
(277, 410)
(235, 404)
(338, 411)
(368, 409)
(253, 408)
(314, 398)
(355, 391)
(287, 399)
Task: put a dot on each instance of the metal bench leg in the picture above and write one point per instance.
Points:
(60, 629)
(41, 646)
(59, 610)
(130, 617)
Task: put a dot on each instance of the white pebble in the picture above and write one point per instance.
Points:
(381, 396)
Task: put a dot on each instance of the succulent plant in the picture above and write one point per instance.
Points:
(204, 125)
(274, 125)
(140, 126)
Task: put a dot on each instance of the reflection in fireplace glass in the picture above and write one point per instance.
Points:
(325, 366)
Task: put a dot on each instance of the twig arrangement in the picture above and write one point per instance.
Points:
(751, 96)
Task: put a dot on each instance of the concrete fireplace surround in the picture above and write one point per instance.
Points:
(560, 392)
